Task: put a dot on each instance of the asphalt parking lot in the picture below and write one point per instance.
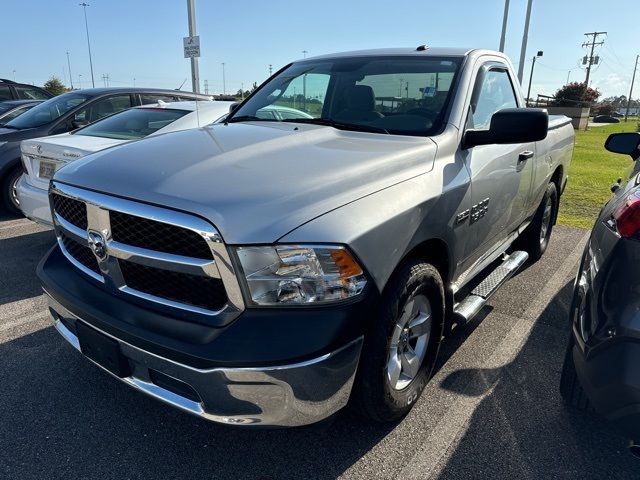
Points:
(492, 410)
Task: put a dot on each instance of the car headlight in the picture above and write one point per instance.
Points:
(300, 274)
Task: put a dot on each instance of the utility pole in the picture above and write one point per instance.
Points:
(206, 87)
(304, 85)
(14, 75)
(242, 90)
(224, 81)
(633, 79)
(568, 73)
(105, 79)
(505, 17)
(80, 81)
(539, 54)
(195, 72)
(591, 60)
(69, 64)
(84, 5)
(270, 69)
(134, 82)
(525, 37)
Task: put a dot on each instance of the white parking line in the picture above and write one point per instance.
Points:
(23, 321)
(431, 457)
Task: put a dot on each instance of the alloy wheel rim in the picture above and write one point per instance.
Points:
(13, 191)
(546, 220)
(409, 342)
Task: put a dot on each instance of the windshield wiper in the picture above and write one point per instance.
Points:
(6, 125)
(355, 127)
(249, 118)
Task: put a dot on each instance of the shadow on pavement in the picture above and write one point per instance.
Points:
(522, 429)
(18, 255)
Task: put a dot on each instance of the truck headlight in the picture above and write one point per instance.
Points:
(300, 274)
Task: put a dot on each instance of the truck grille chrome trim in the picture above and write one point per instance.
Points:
(187, 292)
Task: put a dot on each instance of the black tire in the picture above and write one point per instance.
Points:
(532, 239)
(373, 394)
(8, 185)
(570, 389)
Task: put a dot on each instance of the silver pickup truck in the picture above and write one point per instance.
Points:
(313, 250)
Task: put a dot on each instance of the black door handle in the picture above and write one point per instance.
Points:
(524, 156)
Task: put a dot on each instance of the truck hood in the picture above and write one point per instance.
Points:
(254, 181)
(67, 147)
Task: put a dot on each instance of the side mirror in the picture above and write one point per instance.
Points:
(625, 143)
(233, 106)
(511, 125)
(78, 124)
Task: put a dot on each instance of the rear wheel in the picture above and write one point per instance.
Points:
(9, 188)
(401, 347)
(535, 239)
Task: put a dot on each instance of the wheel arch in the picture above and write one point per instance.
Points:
(556, 178)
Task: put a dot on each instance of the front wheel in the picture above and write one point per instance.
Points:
(535, 239)
(401, 346)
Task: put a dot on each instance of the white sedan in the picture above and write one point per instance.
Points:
(41, 157)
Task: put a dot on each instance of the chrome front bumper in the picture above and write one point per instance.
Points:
(287, 395)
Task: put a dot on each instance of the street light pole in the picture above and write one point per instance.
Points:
(195, 71)
(80, 81)
(69, 64)
(505, 17)
(14, 75)
(224, 81)
(84, 5)
(525, 37)
(539, 54)
(633, 79)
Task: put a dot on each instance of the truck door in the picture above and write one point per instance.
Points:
(501, 175)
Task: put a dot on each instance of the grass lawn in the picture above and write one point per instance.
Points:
(591, 173)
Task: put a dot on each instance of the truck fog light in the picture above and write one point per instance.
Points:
(300, 274)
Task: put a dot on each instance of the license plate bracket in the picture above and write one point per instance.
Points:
(103, 350)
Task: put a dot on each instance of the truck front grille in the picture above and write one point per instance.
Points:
(162, 237)
(73, 211)
(81, 253)
(203, 292)
(159, 255)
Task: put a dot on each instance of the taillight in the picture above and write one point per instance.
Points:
(627, 216)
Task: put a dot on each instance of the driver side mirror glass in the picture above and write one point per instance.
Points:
(233, 106)
(625, 143)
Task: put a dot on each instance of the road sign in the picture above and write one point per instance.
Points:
(191, 46)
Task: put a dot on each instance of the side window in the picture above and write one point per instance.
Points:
(148, 98)
(30, 93)
(103, 108)
(496, 93)
(5, 93)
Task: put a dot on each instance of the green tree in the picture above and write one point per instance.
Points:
(575, 94)
(55, 86)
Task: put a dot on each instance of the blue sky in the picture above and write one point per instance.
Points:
(142, 39)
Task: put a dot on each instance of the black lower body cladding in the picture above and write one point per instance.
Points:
(258, 337)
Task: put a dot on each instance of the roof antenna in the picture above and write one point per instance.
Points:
(422, 48)
(183, 82)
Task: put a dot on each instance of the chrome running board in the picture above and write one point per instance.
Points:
(468, 307)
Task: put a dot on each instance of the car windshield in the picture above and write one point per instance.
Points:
(403, 95)
(48, 111)
(132, 124)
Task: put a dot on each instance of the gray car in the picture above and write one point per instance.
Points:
(272, 268)
(601, 366)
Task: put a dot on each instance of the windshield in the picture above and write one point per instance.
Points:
(48, 111)
(405, 95)
(132, 124)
